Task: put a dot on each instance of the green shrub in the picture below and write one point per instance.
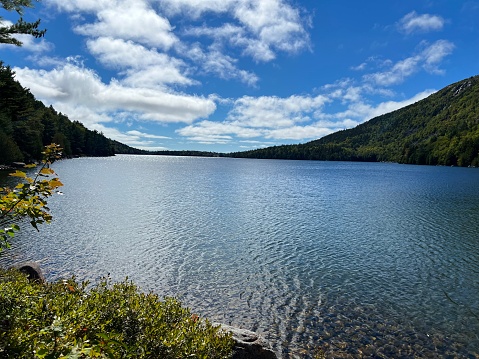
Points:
(108, 320)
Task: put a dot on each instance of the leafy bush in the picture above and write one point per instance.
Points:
(108, 320)
(29, 198)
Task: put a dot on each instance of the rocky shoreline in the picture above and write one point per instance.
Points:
(248, 344)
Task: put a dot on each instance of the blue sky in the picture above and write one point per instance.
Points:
(233, 75)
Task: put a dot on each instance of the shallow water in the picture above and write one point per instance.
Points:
(354, 259)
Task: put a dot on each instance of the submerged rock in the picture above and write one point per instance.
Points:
(248, 344)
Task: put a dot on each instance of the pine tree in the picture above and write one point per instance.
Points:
(21, 27)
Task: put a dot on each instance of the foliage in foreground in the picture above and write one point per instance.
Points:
(65, 320)
(7, 32)
(29, 198)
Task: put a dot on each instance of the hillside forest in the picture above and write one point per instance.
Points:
(442, 129)
(27, 125)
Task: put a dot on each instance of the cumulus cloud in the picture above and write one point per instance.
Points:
(75, 6)
(413, 22)
(274, 23)
(131, 20)
(269, 117)
(364, 111)
(134, 139)
(259, 28)
(127, 19)
(82, 88)
(141, 66)
(435, 53)
(212, 131)
(195, 8)
(429, 58)
(215, 62)
(273, 112)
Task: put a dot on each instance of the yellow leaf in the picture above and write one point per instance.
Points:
(55, 183)
(18, 174)
(47, 171)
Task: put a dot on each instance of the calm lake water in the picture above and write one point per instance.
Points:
(356, 259)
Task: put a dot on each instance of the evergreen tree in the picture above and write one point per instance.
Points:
(21, 26)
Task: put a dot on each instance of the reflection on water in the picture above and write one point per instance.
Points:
(355, 259)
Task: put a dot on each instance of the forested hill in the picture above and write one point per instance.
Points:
(442, 129)
(26, 125)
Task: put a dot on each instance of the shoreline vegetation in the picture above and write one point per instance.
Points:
(108, 320)
(68, 319)
(442, 129)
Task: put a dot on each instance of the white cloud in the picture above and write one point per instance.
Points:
(146, 135)
(141, 66)
(359, 67)
(195, 8)
(81, 89)
(435, 53)
(75, 6)
(131, 20)
(429, 58)
(275, 24)
(414, 22)
(126, 19)
(259, 28)
(364, 112)
(301, 133)
(272, 112)
(268, 117)
(213, 61)
(124, 34)
(211, 131)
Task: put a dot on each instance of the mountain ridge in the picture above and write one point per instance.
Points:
(442, 129)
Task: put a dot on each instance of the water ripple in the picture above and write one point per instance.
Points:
(358, 260)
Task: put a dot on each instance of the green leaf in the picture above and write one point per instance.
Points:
(42, 353)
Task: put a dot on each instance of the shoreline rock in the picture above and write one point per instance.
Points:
(248, 344)
(32, 270)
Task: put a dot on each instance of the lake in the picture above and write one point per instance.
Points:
(356, 259)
